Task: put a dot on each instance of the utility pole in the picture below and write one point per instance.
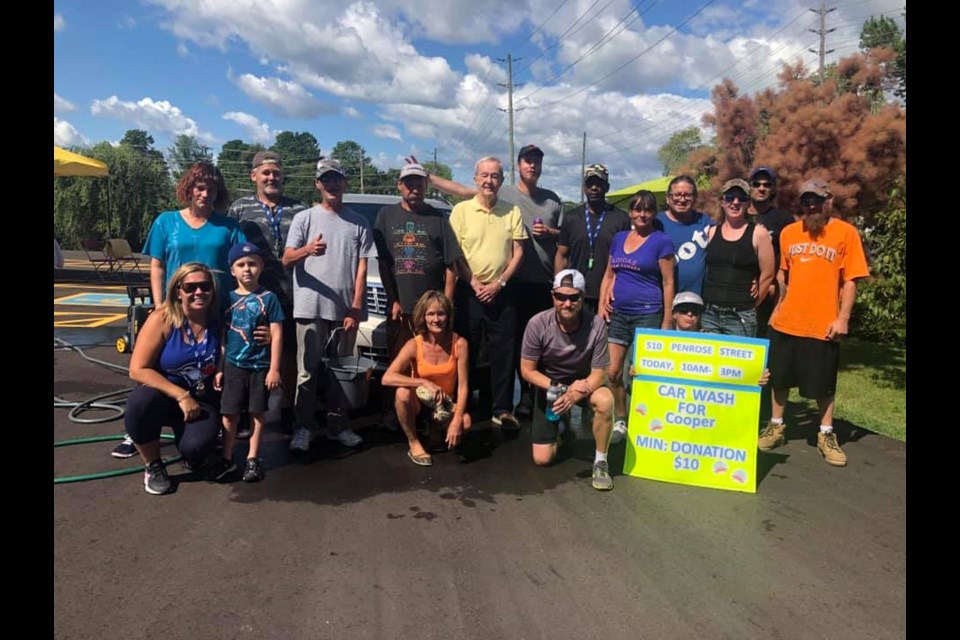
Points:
(509, 110)
(822, 32)
(360, 152)
(583, 167)
(435, 156)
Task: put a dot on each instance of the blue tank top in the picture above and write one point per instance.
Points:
(186, 364)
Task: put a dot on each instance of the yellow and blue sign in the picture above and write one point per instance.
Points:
(695, 404)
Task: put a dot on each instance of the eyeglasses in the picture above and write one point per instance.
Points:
(811, 200)
(681, 196)
(735, 197)
(567, 297)
(191, 287)
(758, 184)
(687, 311)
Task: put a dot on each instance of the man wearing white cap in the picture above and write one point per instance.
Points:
(327, 247)
(821, 259)
(564, 357)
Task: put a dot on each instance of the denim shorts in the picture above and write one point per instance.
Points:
(729, 321)
(622, 326)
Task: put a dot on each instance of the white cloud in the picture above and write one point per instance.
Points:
(66, 135)
(182, 50)
(154, 116)
(383, 162)
(258, 131)
(59, 23)
(127, 22)
(282, 97)
(61, 105)
(386, 131)
(353, 113)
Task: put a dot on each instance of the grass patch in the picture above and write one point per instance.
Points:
(872, 388)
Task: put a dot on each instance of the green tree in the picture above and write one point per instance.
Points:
(299, 152)
(885, 32)
(234, 161)
(678, 148)
(186, 151)
(362, 176)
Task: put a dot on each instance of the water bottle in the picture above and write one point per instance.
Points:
(553, 393)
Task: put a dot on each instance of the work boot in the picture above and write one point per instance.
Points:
(830, 450)
(772, 436)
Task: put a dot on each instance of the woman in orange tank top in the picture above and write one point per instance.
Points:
(431, 370)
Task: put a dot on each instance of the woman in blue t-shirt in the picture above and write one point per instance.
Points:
(176, 355)
(195, 233)
(636, 292)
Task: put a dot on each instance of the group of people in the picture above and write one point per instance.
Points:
(249, 301)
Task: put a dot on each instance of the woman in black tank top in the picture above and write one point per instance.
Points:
(739, 258)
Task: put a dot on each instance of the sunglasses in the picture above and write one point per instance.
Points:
(191, 287)
(687, 311)
(811, 200)
(735, 197)
(758, 184)
(567, 297)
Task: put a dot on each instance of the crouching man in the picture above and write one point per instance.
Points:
(564, 354)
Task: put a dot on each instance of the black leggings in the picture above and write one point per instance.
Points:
(149, 410)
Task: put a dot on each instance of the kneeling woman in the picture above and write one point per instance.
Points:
(174, 360)
(431, 369)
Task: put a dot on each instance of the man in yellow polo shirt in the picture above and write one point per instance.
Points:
(491, 235)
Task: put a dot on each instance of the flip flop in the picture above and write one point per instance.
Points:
(424, 460)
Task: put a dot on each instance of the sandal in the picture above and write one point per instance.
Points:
(424, 459)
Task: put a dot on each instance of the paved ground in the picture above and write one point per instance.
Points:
(341, 544)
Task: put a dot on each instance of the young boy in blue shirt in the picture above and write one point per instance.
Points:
(250, 370)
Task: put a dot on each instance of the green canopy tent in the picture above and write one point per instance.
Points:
(658, 186)
(67, 163)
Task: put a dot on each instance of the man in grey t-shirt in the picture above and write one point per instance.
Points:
(567, 346)
(327, 247)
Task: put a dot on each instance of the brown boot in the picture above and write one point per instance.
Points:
(772, 436)
(830, 450)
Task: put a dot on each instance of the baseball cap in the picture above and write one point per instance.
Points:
(816, 186)
(597, 170)
(243, 250)
(570, 278)
(325, 165)
(530, 149)
(266, 157)
(687, 297)
(767, 170)
(413, 169)
(736, 183)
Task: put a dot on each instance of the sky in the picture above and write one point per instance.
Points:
(430, 76)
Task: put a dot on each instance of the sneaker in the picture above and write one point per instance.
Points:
(347, 438)
(252, 471)
(772, 436)
(524, 408)
(221, 469)
(601, 476)
(506, 420)
(619, 432)
(830, 450)
(125, 449)
(156, 482)
(301, 440)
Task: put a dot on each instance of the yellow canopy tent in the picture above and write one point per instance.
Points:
(621, 197)
(67, 163)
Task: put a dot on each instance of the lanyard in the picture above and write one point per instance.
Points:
(199, 354)
(592, 236)
(274, 220)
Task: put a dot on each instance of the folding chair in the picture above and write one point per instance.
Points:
(91, 247)
(119, 251)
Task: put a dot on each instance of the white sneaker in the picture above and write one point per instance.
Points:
(619, 432)
(301, 440)
(347, 438)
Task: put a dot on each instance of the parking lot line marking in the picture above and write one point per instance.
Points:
(94, 300)
(85, 319)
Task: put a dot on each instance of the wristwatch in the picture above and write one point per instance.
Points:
(502, 283)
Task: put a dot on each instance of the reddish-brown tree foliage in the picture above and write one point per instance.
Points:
(840, 131)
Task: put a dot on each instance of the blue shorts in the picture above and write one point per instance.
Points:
(622, 326)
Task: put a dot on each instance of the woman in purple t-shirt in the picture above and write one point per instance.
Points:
(636, 292)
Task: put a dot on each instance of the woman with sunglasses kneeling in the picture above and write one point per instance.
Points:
(739, 258)
(175, 357)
